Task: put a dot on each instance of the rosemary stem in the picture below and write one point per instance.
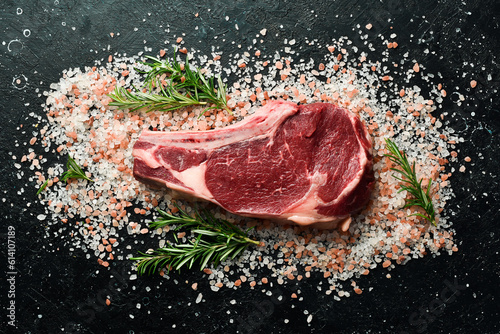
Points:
(411, 183)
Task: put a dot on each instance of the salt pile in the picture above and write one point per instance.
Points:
(98, 217)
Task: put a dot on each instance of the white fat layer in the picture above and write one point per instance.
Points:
(147, 157)
(262, 124)
(308, 203)
(194, 179)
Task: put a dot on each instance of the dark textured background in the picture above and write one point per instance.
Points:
(58, 290)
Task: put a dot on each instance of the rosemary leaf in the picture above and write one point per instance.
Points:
(411, 183)
(43, 186)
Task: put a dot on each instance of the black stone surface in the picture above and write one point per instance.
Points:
(61, 291)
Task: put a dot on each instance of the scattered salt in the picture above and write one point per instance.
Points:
(106, 155)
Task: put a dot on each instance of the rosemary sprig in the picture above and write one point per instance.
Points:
(74, 171)
(170, 86)
(214, 241)
(411, 183)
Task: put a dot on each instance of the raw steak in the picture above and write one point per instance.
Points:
(308, 164)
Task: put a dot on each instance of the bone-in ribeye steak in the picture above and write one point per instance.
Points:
(308, 164)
